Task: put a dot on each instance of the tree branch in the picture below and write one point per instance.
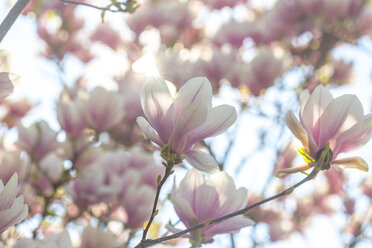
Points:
(11, 17)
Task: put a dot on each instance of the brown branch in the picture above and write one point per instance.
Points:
(12, 17)
(150, 242)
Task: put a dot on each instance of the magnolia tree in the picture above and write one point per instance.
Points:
(137, 164)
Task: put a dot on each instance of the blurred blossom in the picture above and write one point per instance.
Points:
(86, 191)
(12, 162)
(262, 79)
(108, 36)
(12, 208)
(232, 33)
(59, 240)
(219, 4)
(51, 169)
(365, 20)
(70, 115)
(184, 120)
(339, 122)
(96, 238)
(15, 110)
(103, 109)
(198, 199)
(137, 203)
(6, 78)
(37, 140)
(286, 157)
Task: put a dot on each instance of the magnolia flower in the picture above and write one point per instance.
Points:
(185, 119)
(339, 122)
(197, 200)
(12, 209)
(37, 140)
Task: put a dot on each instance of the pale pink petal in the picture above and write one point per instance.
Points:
(297, 129)
(352, 162)
(339, 115)
(312, 108)
(149, 132)
(193, 116)
(355, 137)
(190, 183)
(9, 192)
(201, 161)
(198, 90)
(236, 200)
(207, 203)
(6, 85)
(231, 225)
(183, 210)
(219, 119)
(13, 215)
(155, 101)
(61, 239)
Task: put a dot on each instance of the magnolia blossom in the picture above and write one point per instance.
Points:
(185, 119)
(12, 208)
(59, 240)
(197, 200)
(339, 122)
(37, 140)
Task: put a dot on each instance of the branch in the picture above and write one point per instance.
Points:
(149, 242)
(168, 172)
(11, 17)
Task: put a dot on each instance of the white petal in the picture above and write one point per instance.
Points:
(155, 101)
(352, 162)
(219, 119)
(9, 192)
(13, 215)
(341, 114)
(6, 85)
(149, 131)
(296, 128)
(313, 106)
(190, 183)
(206, 203)
(183, 210)
(201, 161)
(355, 137)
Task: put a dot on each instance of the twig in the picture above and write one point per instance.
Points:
(168, 172)
(150, 242)
(107, 8)
(11, 17)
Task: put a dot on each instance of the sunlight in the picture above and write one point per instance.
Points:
(146, 64)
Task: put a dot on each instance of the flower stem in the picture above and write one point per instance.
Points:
(149, 242)
(168, 172)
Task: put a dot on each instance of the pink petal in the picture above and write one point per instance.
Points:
(13, 215)
(231, 225)
(340, 115)
(190, 184)
(9, 192)
(355, 137)
(312, 107)
(149, 131)
(219, 119)
(201, 161)
(299, 132)
(207, 203)
(155, 101)
(183, 210)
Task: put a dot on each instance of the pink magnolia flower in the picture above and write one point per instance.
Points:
(104, 109)
(37, 140)
(96, 238)
(70, 115)
(197, 200)
(185, 119)
(339, 122)
(12, 162)
(59, 240)
(12, 209)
